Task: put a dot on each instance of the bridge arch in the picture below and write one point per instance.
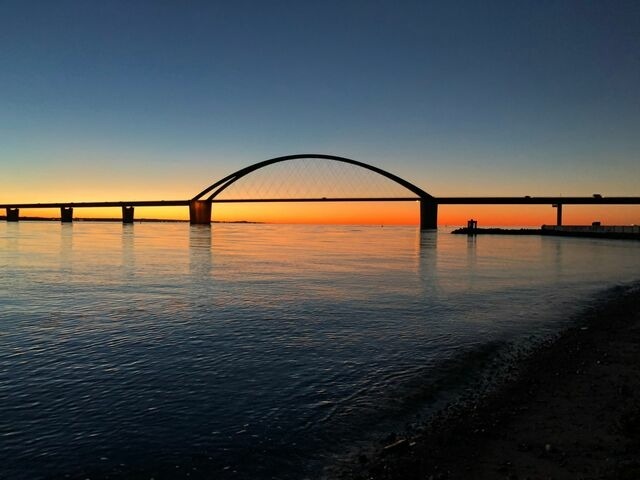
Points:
(200, 205)
(218, 187)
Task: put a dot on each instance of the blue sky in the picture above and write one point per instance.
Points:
(460, 97)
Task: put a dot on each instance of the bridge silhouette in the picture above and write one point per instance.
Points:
(200, 206)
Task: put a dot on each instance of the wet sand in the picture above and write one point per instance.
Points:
(572, 411)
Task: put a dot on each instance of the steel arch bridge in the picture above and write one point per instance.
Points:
(200, 205)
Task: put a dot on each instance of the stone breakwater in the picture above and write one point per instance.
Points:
(619, 233)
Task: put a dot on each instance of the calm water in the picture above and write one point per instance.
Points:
(256, 351)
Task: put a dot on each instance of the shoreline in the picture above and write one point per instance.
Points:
(572, 410)
(119, 220)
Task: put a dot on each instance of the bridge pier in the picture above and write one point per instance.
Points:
(558, 206)
(200, 212)
(66, 214)
(127, 214)
(13, 214)
(428, 214)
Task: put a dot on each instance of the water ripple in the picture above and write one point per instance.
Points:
(255, 351)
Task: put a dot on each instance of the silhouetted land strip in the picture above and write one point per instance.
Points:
(549, 232)
(119, 220)
(498, 231)
(572, 411)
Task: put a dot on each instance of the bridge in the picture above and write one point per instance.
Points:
(200, 206)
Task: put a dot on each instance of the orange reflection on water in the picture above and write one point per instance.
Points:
(250, 255)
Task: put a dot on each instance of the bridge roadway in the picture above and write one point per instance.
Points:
(460, 200)
(439, 200)
(428, 210)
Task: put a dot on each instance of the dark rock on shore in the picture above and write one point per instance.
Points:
(573, 411)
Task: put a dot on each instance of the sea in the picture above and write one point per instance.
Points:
(256, 351)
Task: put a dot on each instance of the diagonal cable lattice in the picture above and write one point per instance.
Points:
(307, 178)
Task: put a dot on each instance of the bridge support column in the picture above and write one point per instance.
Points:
(558, 206)
(13, 214)
(66, 214)
(428, 214)
(200, 212)
(127, 214)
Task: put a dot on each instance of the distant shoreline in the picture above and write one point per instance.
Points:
(119, 220)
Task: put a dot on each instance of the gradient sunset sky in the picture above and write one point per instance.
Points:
(133, 100)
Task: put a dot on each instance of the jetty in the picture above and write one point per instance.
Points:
(595, 230)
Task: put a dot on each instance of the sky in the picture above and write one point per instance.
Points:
(150, 100)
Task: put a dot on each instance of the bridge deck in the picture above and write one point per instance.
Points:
(438, 200)
(538, 200)
(137, 203)
(460, 200)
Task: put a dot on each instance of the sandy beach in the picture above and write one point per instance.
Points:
(572, 411)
